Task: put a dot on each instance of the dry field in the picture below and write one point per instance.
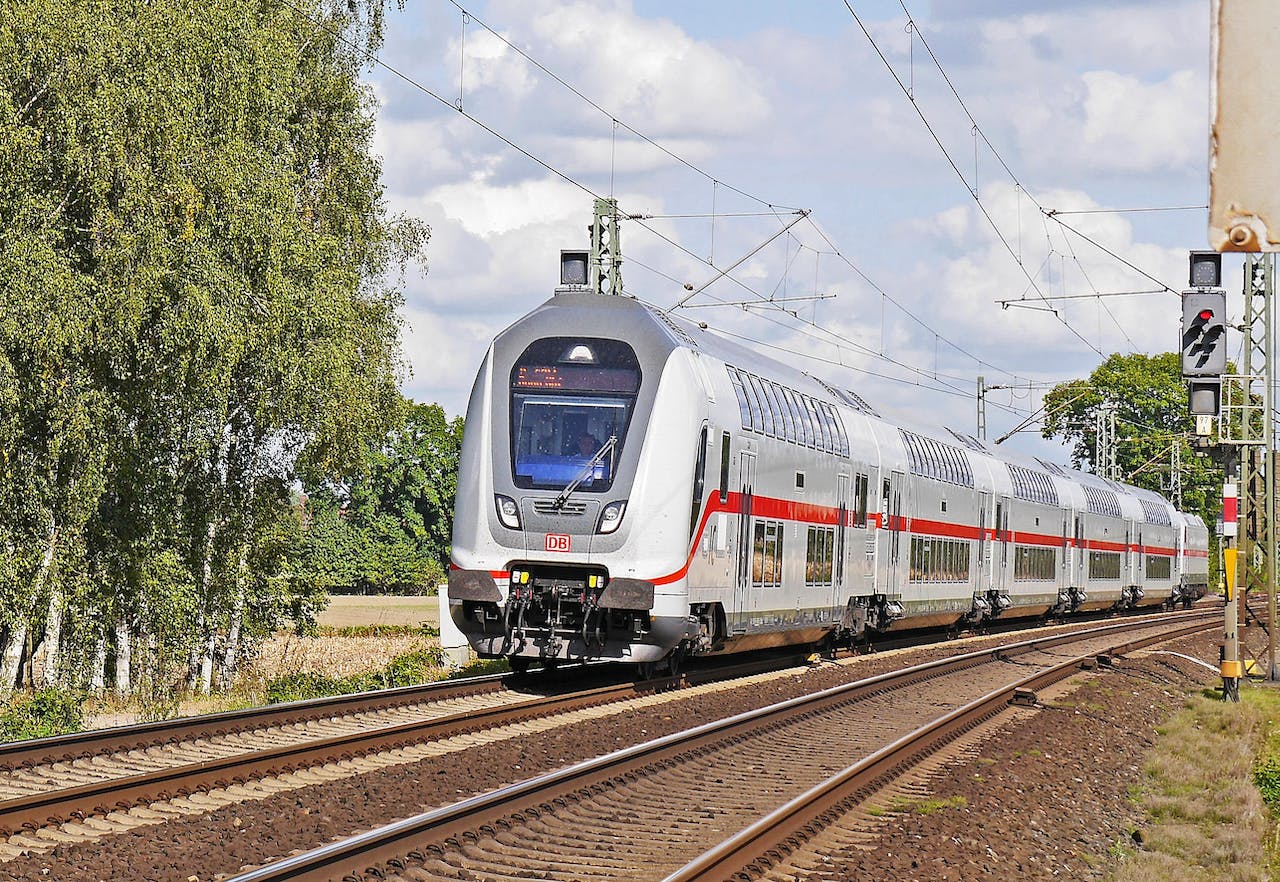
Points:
(346, 610)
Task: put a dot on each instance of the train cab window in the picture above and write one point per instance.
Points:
(724, 467)
(699, 481)
(571, 404)
(860, 500)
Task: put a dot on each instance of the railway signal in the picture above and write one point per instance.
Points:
(1204, 333)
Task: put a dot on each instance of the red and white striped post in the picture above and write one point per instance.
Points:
(1230, 667)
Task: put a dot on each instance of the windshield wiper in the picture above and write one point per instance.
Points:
(586, 471)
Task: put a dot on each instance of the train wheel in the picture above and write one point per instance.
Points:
(675, 661)
(646, 670)
(519, 665)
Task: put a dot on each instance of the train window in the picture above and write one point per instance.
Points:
(724, 467)
(766, 415)
(766, 554)
(819, 554)
(812, 429)
(788, 400)
(1159, 566)
(828, 430)
(699, 481)
(860, 500)
(797, 415)
(788, 413)
(570, 397)
(803, 421)
(1034, 564)
(824, 439)
(781, 414)
(842, 438)
(755, 396)
(744, 408)
(1104, 565)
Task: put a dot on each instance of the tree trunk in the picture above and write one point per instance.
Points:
(231, 657)
(98, 665)
(206, 664)
(53, 636)
(124, 685)
(11, 656)
(196, 679)
(48, 654)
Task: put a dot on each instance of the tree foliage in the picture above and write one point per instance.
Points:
(198, 303)
(387, 530)
(1150, 402)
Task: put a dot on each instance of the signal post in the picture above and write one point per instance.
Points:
(1204, 361)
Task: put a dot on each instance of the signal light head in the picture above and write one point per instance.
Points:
(1205, 315)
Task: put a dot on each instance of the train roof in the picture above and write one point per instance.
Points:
(630, 317)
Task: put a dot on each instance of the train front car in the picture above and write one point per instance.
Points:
(572, 488)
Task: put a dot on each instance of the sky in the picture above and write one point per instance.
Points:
(960, 212)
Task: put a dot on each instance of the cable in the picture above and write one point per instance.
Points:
(978, 131)
(977, 201)
(374, 59)
(606, 113)
(1054, 212)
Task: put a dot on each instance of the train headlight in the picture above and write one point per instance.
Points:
(611, 516)
(508, 511)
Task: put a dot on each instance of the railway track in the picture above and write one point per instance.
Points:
(648, 812)
(47, 781)
(99, 773)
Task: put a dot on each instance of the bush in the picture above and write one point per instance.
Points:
(41, 714)
(420, 665)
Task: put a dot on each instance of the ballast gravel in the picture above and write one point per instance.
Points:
(1045, 799)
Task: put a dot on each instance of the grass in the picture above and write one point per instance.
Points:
(927, 806)
(1207, 819)
(358, 610)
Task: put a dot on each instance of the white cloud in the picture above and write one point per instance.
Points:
(1094, 105)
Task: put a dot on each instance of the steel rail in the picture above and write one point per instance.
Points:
(94, 742)
(763, 845)
(99, 797)
(387, 846)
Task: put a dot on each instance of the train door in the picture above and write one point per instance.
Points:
(1078, 554)
(1139, 559)
(896, 524)
(742, 581)
(838, 577)
(1002, 575)
(1064, 568)
(984, 546)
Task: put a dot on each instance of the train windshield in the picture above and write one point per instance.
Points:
(569, 396)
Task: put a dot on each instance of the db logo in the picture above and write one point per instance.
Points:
(559, 542)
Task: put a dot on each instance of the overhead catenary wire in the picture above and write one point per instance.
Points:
(716, 182)
(919, 373)
(950, 161)
(977, 131)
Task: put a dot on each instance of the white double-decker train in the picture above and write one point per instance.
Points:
(634, 487)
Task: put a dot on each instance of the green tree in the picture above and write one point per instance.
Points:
(198, 301)
(390, 524)
(1150, 402)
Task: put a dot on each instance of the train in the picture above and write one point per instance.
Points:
(635, 488)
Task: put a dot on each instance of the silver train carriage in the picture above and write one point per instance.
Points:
(634, 488)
